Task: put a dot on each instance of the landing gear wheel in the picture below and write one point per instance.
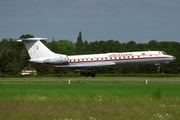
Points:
(92, 75)
(87, 74)
(82, 73)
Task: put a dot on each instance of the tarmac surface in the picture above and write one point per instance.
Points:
(93, 79)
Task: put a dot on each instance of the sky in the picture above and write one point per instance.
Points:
(122, 20)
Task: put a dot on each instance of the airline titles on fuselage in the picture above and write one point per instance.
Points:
(120, 55)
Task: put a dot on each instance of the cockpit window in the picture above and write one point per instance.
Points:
(164, 53)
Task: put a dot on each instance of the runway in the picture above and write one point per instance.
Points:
(111, 79)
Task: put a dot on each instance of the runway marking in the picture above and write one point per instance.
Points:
(128, 80)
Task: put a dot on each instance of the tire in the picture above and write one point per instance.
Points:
(86, 75)
(92, 75)
(82, 73)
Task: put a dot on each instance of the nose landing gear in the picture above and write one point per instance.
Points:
(158, 69)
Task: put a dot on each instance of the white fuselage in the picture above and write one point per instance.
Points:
(110, 59)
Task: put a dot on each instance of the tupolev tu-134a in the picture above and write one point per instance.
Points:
(39, 53)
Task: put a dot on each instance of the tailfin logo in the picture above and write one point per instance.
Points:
(37, 47)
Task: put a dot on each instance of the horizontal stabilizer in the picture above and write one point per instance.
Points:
(30, 39)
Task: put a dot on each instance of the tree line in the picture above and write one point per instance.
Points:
(14, 57)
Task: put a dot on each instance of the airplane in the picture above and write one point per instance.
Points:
(39, 53)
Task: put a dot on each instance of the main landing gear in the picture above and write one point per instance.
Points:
(87, 74)
(158, 69)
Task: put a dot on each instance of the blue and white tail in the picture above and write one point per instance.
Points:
(36, 48)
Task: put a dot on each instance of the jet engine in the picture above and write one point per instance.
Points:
(62, 60)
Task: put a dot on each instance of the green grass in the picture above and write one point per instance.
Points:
(89, 100)
(83, 89)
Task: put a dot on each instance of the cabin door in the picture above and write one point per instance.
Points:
(151, 58)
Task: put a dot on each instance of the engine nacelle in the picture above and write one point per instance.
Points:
(58, 61)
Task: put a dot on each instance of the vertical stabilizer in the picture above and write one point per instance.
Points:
(36, 48)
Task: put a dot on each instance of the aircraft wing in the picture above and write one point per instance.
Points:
(86, 65)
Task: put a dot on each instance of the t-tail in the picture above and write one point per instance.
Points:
(39, 53)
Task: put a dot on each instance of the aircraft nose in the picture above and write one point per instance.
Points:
(174, 57)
